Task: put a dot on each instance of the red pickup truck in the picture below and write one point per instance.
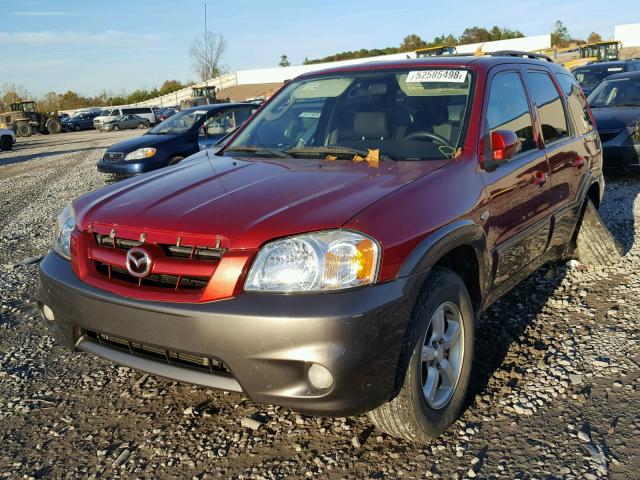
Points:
(334, 255)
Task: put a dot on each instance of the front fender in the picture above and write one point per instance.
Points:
(436, 245)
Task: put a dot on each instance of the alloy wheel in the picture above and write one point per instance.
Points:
(442, 355)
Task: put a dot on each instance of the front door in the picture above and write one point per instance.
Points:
(518, 206)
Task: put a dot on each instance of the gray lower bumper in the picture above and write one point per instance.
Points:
(267, 341)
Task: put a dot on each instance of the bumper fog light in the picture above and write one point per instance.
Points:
(320, 377)
(47, 313)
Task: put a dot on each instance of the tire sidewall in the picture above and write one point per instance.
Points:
(434, 422)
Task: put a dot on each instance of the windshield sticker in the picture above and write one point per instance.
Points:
(615, 69)
(200, 112)
(454, 76)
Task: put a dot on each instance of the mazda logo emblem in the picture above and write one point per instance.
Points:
(138, 262)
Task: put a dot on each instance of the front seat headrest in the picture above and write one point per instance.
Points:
(370, 125)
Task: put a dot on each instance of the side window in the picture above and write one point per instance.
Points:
(577, 103)
(243, 114)
(549, 104)
(508, 109)
(218, 124)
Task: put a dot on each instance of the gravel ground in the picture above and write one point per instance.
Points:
(555, 392)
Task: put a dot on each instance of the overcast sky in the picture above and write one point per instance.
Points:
(115, 44)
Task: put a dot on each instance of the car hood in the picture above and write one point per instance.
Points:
(611, 119)
(246, 201)
(128, 146)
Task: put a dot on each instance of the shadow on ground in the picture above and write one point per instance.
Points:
(506, 320)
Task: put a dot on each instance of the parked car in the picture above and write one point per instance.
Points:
(7, 138)
(165, 113)
(616, 108)
(178, 137)
(125, 122)
(590, 76)
(83, 121)
(334, 255)
(109, 113)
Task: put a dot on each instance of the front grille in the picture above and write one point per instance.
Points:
(160, 281)
(172, 357)
(606, 136)
(173, 251)
(175, 267)
(113, 156)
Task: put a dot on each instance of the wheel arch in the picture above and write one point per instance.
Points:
(461, 247)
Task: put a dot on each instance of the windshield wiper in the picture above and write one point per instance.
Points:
(333, 151)
(257, 150)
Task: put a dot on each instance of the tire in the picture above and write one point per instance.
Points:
(594, 243)
(77, 128)
(175, 160)
(24, 129)
(116, 128)
(141, 125)
(410, 415)
(6, 143)
(54, 126)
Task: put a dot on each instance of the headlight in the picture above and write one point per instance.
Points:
(330, 260)
(141, 153)
(62, 233)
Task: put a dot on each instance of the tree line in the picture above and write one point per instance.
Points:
(70, 100)
(560, 37)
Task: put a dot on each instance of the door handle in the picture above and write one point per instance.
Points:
(539, 178)
(579, 162)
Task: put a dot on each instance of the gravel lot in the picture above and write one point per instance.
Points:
(555, 393)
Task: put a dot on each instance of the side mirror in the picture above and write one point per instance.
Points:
(504, 145)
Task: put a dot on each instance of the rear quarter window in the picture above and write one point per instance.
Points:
(553, 120)
(577, 103)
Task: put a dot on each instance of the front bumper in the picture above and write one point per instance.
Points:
(267, 341)
(621, 152)
(122, 167)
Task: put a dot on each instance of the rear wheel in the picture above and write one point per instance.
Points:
(54, 126)
(437, 378)
(6, 143)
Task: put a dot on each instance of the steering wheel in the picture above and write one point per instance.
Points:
(433, 137)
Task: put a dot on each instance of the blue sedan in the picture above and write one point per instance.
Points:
(178, 137)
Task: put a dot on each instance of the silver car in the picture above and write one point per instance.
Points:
(123, 122)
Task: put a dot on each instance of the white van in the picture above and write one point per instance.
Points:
(109, 113)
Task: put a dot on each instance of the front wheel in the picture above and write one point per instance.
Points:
(116, 128)
(141, 125)
(437, 377)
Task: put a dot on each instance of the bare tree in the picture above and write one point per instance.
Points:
(206, 53)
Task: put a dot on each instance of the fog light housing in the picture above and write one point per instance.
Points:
(47, 313)
(319, 377)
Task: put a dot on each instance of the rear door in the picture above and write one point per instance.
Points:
(518, 221)
(564, 148)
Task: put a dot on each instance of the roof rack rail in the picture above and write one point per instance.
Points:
(503, 53)
(517, 53)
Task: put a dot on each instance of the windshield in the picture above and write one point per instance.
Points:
(589, 78)
(105, 113)
(616, 93)
(179, 123)
(407, 114)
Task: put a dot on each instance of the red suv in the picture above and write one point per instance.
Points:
(334, 255)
